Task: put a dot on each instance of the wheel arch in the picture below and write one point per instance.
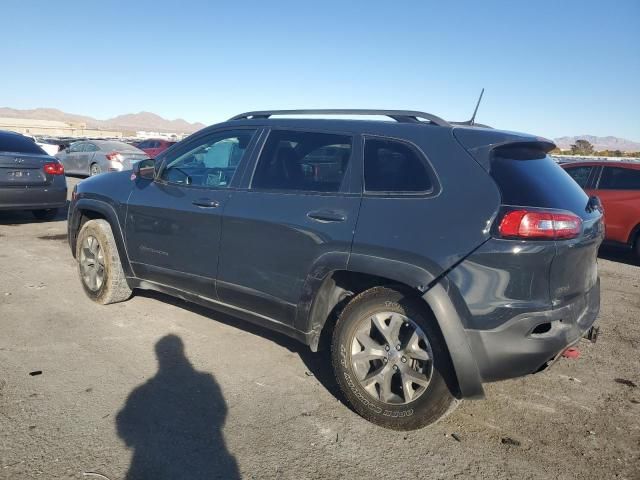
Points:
(335, 289)
(90, 209)
(634, 236)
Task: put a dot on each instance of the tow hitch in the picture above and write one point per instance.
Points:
(592, 334)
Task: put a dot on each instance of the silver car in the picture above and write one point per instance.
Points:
(92, 157)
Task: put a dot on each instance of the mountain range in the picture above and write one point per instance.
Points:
(132, 121)
(152, 122)
(600, 143)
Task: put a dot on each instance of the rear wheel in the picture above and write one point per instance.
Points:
(95, 169)
(636, 247)
(390, 361)
(99, 264)
(46, 214)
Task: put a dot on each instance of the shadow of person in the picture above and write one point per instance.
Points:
(174, 422)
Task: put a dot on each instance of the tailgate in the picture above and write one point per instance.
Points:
(574, 269)
(18, 169)
(541, 183)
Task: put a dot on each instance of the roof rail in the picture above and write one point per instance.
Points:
(403, 116)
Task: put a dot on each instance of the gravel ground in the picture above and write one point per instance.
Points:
(93, 392)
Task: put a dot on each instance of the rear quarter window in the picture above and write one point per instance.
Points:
(394, 166)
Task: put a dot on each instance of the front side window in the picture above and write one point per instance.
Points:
(580, 175)
(393, 166)
(211, 162)
(303, 161)
(618, 178)
(90, 147)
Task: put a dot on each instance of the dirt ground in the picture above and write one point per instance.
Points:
(107, 392)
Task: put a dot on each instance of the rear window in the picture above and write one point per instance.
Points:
(537, 182)
(118, 147)
(618, 178)
(393, 166)
(19, 144)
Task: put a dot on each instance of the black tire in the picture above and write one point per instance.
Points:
(636, 248)
(94, 169)
(47, 214)
(113, 288)
(437, 399)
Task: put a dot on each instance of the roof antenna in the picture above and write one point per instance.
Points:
(473, 117)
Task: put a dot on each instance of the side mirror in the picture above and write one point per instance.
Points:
(66, 150)
(144, 169)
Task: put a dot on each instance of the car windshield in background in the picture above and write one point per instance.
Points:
(19, 144)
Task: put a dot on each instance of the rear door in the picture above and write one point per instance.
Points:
(173, 223)
(83, 157)
(70, 158)
(295, 220)
(619, 190)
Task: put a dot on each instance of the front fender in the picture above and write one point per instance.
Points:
(93, 207)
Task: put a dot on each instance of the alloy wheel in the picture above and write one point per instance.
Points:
(92, 263)
(392, 358)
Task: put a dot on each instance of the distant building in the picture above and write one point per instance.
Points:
(164, 135)
(54, 128)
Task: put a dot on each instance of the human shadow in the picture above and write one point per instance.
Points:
(174, 421)
(317, 363)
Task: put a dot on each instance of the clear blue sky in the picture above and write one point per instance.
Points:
(549, 67)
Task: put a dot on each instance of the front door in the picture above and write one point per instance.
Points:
(174, 222)
(295, 221)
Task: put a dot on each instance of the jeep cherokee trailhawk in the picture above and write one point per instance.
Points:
(431, 256)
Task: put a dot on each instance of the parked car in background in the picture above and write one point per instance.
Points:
(154, 146)
(617, 184)
(428, 256)
(29, 178)
(92, 157)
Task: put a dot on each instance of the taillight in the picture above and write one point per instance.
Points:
(114, 157)
(536, 224)
(53, 168)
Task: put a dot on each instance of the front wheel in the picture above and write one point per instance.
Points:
(99, 264)
(390, 360)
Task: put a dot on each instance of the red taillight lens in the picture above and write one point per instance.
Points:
(114, 157)
(53, 168)
(534, 224)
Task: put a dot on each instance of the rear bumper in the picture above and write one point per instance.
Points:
(514, 349)
(33, 198)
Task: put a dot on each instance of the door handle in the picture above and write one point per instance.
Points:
(206, 203)
(326, 216)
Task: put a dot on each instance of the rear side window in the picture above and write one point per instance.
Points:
(303, 161)
(580, 175)
(617, 178)
(393, 166)
(537, 182)
(19, 144)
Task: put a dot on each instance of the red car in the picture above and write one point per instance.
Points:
(617, 183)
(154, 146)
